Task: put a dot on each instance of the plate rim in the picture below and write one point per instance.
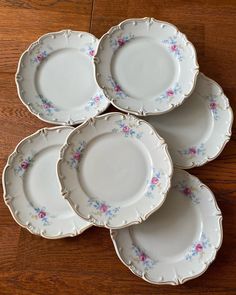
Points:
(144, 113)
(4, 185)
(113, 234)
(228, 131)
(73, 205)
(26, 51)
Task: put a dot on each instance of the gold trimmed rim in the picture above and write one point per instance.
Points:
(17, 220)
(73, 205)
(195, 69)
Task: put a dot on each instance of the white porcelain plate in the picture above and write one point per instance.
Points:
(115, 170)
(145, 66)
(197, 131)
(55, 78)
(31, 188)
(179, 241)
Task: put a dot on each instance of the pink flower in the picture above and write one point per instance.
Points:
(187, 191)
(77, 156)
(47, 106)
(121, 42)
(96, 98)
(170, 92)
(25, 164)
(154, 180)
(103, 208)
(117, 88)
(91, 52)
(40, 57)
(192, 151)
(126, 129)
(173, 47)
(213, 105)
(198, 247)
(143, 256)
(41, 214)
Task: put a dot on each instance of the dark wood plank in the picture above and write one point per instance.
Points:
(79, 7)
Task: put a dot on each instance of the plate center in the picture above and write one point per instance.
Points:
(41, 186)
(143, 68)
(66, 78)
(188, 125)
(169, 232)
(115, 169)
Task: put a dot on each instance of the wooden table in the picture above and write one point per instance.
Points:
(88, 264)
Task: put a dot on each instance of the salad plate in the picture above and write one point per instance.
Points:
(55, 78)
(31, 188)
(145, 66)
(114, 170)
(179, 241)
(197, 131)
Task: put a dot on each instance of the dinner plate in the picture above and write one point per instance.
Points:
(115, 170)
(31, 188)
(179, 241)
(197, 131)
(145, 66)
(55, 78)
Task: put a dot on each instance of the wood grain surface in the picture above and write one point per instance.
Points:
(88, 264)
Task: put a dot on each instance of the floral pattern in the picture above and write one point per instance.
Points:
(40, 55)
(188, 191)
(116, 88)
(153, 183)
(23, 166)
(42, 215)
(94, 102)
(46, 105)
(214, 106)
(141, 257)
(127, 129)
(198, 247)
(170, 93)
(193, 151)
(175, 48)
(120, 41)
(76, 155)
(89, 50)
(103, 209)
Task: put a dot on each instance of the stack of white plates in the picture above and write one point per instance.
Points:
(115, 170)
